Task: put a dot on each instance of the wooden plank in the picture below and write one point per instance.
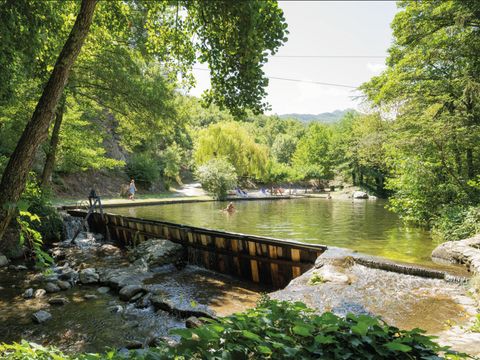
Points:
(253, 263)
(272, 251)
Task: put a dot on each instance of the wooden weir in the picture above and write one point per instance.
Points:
(264, 260)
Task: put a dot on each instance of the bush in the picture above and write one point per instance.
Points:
(144, 169)
(217, 176)
(457, 222)
(275, 330)
(37, 201)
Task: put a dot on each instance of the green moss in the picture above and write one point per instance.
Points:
(316, 279)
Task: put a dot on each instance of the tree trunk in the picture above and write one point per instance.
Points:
(15, 175)
(52, 148)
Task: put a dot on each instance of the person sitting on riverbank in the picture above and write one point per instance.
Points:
(132, 189)
(240, 192)
(230, 208)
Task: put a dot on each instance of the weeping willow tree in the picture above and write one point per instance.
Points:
(233, 143)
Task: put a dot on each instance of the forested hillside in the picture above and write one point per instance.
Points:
(327, 117)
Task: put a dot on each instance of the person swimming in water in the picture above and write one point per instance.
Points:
(230, 207)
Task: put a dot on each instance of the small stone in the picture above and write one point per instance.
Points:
(52, 288)
(88, 276)
(115, 309)
(41, 316)
(28, 294)
(103, 289)
(90, 297)
(21, 267)
(193, 322)
(3, 260)
(39, 293)
(57, 301)
(64, 285)
(129, 291)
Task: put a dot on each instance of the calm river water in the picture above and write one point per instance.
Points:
(364, 226)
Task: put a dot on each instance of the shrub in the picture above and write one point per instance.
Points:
(275, 330)
(143, 168)
(457, 222)
(37, 201)
(216, 177)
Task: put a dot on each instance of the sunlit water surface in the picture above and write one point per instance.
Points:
(364, 226)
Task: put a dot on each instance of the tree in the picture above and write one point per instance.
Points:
(217, 176)
(235, 38)
(430, 91)
(313, 155)
(232, 142)
(15, 175)
(283, 148)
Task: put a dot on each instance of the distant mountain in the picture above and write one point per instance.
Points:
(327, 117)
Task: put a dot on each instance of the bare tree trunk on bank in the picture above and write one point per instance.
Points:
(52, 148)
(15, 175)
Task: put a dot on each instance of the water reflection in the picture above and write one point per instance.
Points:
(365, 226)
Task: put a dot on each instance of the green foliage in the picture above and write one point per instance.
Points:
(33, 239)
(283, 148)
(278, 173)
(273, 330)
(232, 142)
(143, 168)
(430, 94)
(217, 176)
(476, 325)
(47, 221)
(315, 279)
(457, 222)
(236, 41)
(314, 153)
(171, 161)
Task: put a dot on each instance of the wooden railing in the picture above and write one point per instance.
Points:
(269, 261)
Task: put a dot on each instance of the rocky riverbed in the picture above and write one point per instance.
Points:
(99, 296)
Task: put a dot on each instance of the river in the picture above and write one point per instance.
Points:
(365, 226)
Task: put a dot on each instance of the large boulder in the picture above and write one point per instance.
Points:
(466, 252)
(41, 316)
(51, 287)
(182, 309)
(360, 195)
(120, 277)
(128, 292)
(157, 252)
(89, 276)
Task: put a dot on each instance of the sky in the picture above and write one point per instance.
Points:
(324, 28)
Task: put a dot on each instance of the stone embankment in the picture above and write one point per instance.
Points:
(465, 252)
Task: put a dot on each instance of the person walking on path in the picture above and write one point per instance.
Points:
(132, 189)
